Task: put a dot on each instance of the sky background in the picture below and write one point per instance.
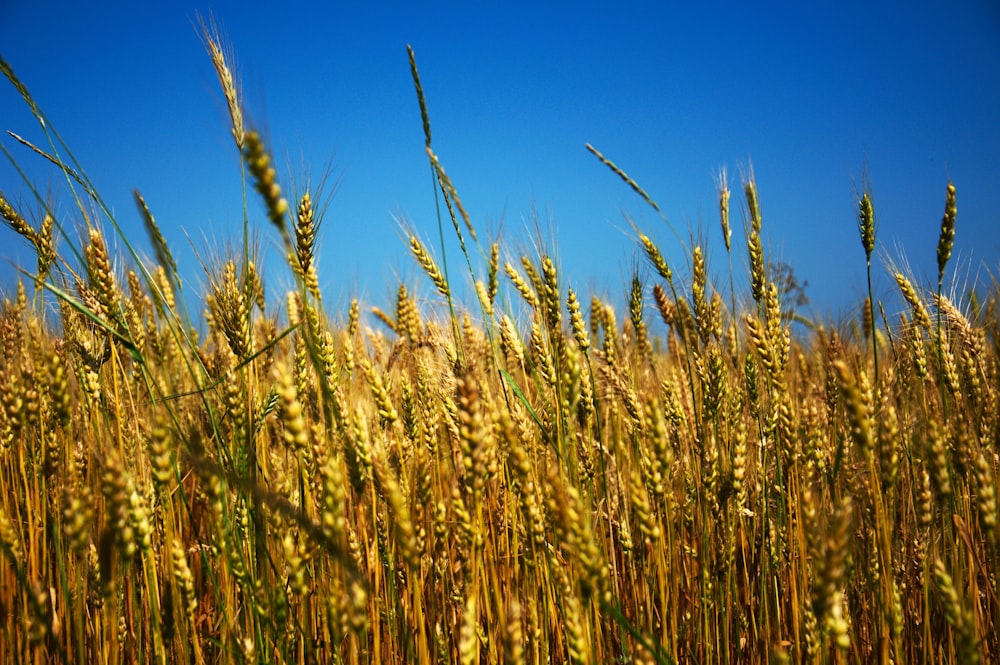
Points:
(810, 94)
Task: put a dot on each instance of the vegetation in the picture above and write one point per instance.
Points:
(529, 478)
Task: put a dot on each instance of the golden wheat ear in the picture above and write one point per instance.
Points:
(221, 58)
(429, 267)
(258, 160)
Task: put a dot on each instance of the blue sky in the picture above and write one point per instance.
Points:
(807, 92)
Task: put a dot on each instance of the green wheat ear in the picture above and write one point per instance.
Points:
(424, 116)
(946, 241)
(161, 250)
(866, 224)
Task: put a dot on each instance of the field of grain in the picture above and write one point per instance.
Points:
(528, 476)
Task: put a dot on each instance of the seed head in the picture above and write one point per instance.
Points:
(947, 239)
(259, 163)
(866, 224)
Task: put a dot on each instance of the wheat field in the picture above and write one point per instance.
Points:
(529, 476)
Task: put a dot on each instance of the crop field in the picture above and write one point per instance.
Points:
(527, 474)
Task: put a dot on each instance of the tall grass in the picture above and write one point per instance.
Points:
(515, 483)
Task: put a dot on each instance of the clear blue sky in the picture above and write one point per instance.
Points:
(809, 92)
